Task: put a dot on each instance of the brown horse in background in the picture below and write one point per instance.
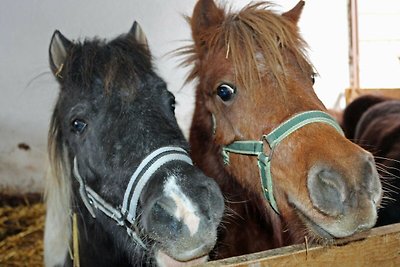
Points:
(253, 75)
(373, 122)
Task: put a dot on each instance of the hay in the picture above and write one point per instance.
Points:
(21, 230)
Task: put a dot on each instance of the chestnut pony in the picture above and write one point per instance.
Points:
(283, 164)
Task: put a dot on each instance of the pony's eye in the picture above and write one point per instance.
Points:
(226, 92)
(313, 78)
(78, 126)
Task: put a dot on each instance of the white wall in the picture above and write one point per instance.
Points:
(28, 90)
(379, 42)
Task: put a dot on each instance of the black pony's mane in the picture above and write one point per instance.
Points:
(118, 63)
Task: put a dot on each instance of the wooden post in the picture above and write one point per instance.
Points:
(353, 48)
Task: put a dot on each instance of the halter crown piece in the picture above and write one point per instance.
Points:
(125, 215)
(256, 148)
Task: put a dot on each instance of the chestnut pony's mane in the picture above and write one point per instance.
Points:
(253, 39)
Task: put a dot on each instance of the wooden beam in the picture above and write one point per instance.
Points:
(377, 247)
(351, 94)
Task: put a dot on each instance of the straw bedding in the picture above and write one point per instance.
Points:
(21, 230)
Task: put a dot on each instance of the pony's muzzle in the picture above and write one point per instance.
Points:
(185, 217)
(337, 194)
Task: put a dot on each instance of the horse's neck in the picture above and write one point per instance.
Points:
(247, 226)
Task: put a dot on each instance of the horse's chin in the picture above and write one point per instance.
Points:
(164, 260)
(315, 231)
(320, 233)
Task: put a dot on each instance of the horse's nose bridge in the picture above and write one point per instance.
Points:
(197, 201)
(184, 209)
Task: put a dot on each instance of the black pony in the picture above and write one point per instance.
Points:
(373, 122)
(120, 174)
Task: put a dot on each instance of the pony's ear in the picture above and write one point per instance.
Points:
(137, 32)
(58, 50)
(294, 14)
(205, 15)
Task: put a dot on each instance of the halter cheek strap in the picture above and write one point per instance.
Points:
(256, 148)
(125, 215)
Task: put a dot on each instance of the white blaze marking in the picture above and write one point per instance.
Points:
(260, 62)
(185, 210)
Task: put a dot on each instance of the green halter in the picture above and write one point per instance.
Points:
(256, 148)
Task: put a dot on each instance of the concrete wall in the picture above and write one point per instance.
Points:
(28, 90)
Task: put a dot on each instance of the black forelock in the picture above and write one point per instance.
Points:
(119, 63)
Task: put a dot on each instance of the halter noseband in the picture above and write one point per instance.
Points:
(125, 215)
(256, 148)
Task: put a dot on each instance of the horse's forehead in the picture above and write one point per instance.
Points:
(99, 86)
(218, 67)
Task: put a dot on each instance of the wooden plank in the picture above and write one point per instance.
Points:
(351, 94)
(377, 247)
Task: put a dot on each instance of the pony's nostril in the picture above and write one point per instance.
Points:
(327, 191)
(162, 221)
(163, 210)
(212, 201)
(165, 204)
(202, 194)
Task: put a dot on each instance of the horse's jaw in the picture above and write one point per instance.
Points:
(164, 260)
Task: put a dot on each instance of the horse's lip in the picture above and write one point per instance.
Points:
(330, 230)
(165, 260)
(315, 228)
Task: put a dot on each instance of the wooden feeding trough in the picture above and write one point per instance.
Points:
(377, 247)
